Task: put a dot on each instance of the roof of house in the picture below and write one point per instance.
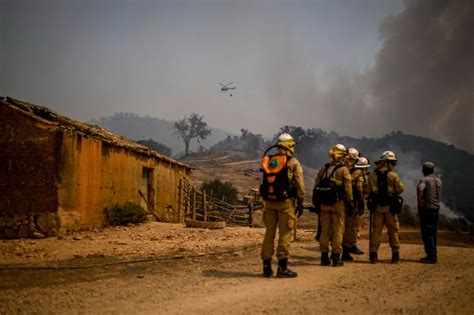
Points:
(46, 115)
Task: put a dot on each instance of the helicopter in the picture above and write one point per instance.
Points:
(227, 87)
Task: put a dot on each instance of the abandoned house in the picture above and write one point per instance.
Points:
(58, 175)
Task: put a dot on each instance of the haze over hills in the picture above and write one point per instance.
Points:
(456, 166)
(138, 127)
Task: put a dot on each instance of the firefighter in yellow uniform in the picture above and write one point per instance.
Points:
(355, 211)
(332, 192)
(384, 186)
(280, 212)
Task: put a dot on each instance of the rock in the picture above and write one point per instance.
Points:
(47, 221)
(238, 254)
(38, 235)
(60, 237)
(77, 238)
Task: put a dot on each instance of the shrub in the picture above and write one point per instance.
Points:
(124, 214)
(220, 190)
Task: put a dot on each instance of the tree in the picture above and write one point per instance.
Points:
(191, 127)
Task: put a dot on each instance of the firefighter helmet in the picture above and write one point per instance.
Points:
(286, 141)
(337, 153)
(362, 162)
(388, 156)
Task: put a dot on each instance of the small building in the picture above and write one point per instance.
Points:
(58, 174)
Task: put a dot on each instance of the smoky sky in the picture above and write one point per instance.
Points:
(361, 68)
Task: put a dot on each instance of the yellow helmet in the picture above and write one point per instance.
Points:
(286, 141)
(351, 157)
(337, 153)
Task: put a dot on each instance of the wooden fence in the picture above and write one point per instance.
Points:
(200, 206)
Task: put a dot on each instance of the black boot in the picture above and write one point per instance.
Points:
(336, 260)
(283, 271)
(325, 259)
(373, 257)
(267, 268)
(346, 256)
(395, 258)
(356, 250)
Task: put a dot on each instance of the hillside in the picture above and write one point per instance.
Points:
(138, 127)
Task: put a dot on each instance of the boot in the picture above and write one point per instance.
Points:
(283, 271)
(346, 256)
(356, 250)
(373, 257)
(325, 259)
(267, 268)
(395, 258)
(336, 260)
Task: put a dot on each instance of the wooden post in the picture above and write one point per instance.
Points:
(204, 205)
(180, 201)
(193, 208)
(250, 214)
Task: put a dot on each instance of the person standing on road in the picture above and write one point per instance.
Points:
(358, 168)
(333, 192)
(282, 187)
(384, 186)
(428, 196)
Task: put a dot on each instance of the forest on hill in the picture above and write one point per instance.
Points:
(138, 127)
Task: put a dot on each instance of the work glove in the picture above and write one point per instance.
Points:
(299, 211)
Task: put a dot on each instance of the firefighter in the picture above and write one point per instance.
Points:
(351, 228)
(280, 195)
(384, 186)
(333, 192)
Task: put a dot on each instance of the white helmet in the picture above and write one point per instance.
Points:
(362, 162)
(285, 137)
(388, 156)
(353, 153)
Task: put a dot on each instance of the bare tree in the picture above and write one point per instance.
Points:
(191, 127)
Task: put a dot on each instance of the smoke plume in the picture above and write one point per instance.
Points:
(423, 79)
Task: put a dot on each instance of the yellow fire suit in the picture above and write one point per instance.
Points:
(332, 216)
(383, 216)
(281, 215)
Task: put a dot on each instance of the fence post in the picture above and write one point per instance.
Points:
(180, 201)
(193, 208)
(204, 205)
(250, 214)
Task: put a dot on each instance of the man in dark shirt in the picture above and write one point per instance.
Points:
(428, 195)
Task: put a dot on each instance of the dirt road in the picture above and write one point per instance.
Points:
(226, 279)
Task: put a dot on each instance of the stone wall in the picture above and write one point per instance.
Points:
(28, 188)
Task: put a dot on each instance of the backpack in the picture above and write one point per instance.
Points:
(383, 198)
(326, 191)
(275, 184)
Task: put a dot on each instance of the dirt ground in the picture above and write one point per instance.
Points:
(159, 268)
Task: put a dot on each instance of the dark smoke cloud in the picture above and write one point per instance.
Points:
(423, 79)
(422, 82)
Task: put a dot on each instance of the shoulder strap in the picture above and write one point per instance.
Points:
(333, 170)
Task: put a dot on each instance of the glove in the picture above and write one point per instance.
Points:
(299, 211)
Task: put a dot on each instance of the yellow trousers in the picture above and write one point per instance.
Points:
(383, 217)
(332, 223)
(281, 215)
(351, 230)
